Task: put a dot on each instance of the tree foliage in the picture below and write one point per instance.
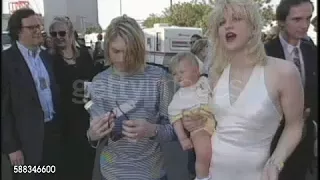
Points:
(182, 14)
(93, 29)
(266, 9)
(188, 14)
(153, 19)
(196, 13)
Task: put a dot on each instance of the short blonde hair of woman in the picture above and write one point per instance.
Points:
(70, 32)
(199, 46)
(182, 56)
(255, 47)
(130, 31)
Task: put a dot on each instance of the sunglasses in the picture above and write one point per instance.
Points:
(60, 33)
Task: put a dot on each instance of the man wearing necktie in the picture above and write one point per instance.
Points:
(29, 113)
(293, 18)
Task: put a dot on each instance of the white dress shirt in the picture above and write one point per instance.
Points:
(289, 55)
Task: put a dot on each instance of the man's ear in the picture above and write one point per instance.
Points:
(281, 25)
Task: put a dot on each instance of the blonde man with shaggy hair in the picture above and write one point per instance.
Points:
(252, 92)
(137, 95)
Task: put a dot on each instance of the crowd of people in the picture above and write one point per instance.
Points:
(243, 109)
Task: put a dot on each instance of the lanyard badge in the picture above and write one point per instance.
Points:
(43, 83)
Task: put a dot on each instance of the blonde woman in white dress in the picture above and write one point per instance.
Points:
(251, 94)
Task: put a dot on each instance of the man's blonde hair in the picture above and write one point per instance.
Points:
(255, 47)
(130, 31)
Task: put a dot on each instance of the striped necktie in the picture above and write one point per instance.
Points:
(296, 59)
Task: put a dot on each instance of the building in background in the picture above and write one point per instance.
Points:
(82, 13)
(11, 7)
(140, 22)
(4, 22)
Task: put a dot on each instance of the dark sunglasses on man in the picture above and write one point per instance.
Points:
(60, 33)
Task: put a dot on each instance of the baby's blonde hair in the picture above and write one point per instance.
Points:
(182, 56)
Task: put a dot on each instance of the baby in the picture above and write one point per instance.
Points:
(192, 99)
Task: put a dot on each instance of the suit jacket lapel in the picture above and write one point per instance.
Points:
(308, 59)
(279, 49)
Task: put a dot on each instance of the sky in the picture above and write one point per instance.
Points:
(109, 9)
(140, 9)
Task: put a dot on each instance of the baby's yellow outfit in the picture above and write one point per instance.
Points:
(193, 100)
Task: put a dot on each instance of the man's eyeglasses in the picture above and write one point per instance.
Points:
(60, 33)
(34, 27)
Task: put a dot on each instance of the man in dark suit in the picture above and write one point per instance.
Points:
(29, 98)
(293, 17)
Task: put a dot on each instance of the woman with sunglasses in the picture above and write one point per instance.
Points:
(73, 66)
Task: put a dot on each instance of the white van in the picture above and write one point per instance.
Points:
(163, 42)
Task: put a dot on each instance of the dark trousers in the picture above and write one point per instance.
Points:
(51, 156)
(191, 163)
(300, 161)
(164, 178)
(78, 159)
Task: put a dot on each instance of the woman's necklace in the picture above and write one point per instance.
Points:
(69, 60)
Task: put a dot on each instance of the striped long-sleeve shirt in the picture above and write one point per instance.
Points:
(142, 160)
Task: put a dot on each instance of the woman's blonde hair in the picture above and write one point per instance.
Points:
(255, 48)
(198, 47)
(70, 32)
(130, 31)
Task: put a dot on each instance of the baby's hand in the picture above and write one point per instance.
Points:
(186, 144)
